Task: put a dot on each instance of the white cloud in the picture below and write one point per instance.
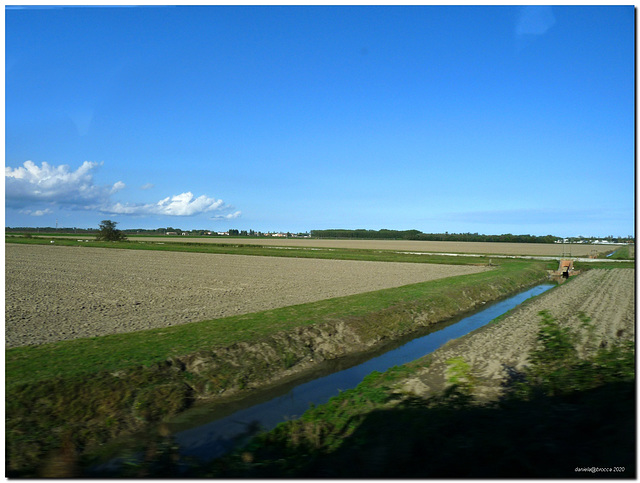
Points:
(183, 204)
(46, 211)
(230, 216)
(147, 186)
(31, 185)
(55, 184)
(119, 185)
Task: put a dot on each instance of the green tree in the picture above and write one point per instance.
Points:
(108, 232)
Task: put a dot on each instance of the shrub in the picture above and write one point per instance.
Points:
(108, 232)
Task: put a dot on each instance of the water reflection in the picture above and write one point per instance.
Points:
(219, 436)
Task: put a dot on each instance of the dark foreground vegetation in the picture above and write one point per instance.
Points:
(563, 417)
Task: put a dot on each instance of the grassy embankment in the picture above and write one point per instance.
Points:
(626, 252)
(82, 393)
(562, 417)
(584, 266)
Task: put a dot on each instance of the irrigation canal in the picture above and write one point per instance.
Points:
(212, 433)
(209, 431)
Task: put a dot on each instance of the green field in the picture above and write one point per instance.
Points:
(626, 252)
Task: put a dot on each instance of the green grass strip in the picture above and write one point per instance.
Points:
(113, 352)
(623, 253)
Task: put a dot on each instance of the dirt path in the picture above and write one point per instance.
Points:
(60, 293)
(606, 296)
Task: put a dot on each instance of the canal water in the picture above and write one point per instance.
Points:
(207, 433)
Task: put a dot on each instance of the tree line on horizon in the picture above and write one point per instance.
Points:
(143, 231)
(383, 234)
(463, 237)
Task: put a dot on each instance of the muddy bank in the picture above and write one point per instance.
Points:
(233, 370)
(236, 370)
(605, 296)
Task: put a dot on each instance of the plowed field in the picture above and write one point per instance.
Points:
(59, 293)
(605, 296)
(488, 248)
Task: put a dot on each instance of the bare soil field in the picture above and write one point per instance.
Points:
(492, 248)
(489, 248)
(57, 293)
(606, 296)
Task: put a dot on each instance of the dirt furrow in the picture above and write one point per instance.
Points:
(60, 293)
(606, 297)
(498, 248)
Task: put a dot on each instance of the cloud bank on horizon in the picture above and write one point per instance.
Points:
(34, 190)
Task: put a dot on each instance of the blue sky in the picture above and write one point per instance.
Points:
(460, 119)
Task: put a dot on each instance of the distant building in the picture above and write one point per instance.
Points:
(171, 233)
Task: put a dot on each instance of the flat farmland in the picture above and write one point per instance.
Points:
(489, 248)
(606, 297)
(55, 293)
